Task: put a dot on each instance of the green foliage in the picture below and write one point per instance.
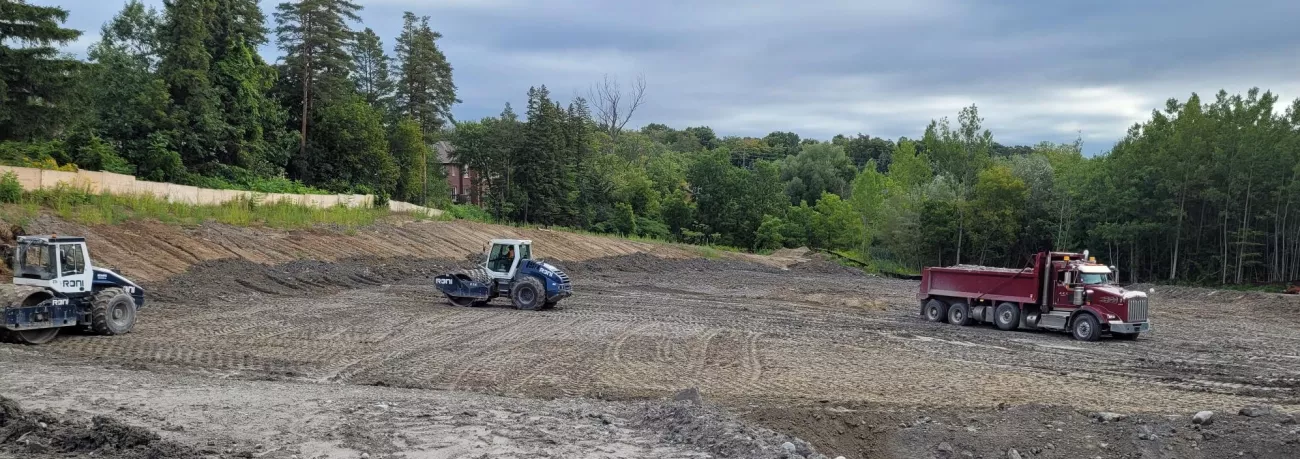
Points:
(817, 169)
(37, 85)
(349, 151)
(624, 221)
(425, 91)
(836, 224)
(370, 67)
(408, 148)
(469, 212)
(863, 148)
(92, 153)
(768, 236)
(869, 192)
(10, 189)
(996, 210)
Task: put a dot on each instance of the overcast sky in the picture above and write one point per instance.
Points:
(1038, 70)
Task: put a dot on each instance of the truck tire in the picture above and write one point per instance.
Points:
(112, 312)
(936, 311)
(1007, 317)
(959, 314)
(1085, 327)
(528, 294)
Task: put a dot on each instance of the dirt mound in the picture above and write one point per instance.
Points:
(215, 278)
(36, 435)
(647, 263)
(152, 251)
(869, 430)
(720, 434)
(821, 264)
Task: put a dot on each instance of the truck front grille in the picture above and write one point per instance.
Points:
(1137, 310)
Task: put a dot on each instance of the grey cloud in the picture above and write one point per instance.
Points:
(1039, 70)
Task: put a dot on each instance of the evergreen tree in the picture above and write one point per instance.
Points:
(425, 91)
(541, 169)
(372, 78)
(36, 84)
(186, 68)
(315, 38)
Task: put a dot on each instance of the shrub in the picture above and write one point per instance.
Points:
(10, 189)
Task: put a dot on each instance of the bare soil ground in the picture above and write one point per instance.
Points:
(360, 354)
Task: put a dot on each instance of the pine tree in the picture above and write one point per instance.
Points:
(315, 38)
(541, 169)
(372, 78)
(35, 83)
(220, 87)
(186, 67)
(255, 139)
(425, 91)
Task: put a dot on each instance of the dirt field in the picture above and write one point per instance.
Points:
(360, 355)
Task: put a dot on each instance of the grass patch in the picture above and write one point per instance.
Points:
(81, 206)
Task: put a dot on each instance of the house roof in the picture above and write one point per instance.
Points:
(444, 150)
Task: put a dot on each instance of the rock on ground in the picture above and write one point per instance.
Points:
(1203, 418)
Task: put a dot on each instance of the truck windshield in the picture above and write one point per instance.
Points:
(34, 261)
(1092, 278)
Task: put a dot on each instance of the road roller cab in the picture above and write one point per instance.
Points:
(56, 286)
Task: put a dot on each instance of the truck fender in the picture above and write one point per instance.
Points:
(1088, 309)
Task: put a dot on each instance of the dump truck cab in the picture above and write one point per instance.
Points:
(1080, 284)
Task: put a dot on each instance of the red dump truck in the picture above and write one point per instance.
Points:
(1061, 291)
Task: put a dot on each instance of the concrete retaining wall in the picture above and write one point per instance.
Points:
(118, 184)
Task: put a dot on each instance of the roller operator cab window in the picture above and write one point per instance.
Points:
(72, 261)
(501, 258)
(525, 252)
(35, 261)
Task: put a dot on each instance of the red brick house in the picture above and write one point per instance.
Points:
(459, 177)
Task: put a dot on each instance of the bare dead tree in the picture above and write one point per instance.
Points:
(613, 108)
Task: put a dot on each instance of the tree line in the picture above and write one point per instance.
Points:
(182, 95)
(1201, 192)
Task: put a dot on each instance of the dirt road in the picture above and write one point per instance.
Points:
(806, 350)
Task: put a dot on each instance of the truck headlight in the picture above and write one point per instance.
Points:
(1111, 317)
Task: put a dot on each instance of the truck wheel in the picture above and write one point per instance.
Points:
(528, 294)
(936, 311)
(959, 314)
(1085, 328)
(112, 312)
(1126, 336)
(1007, 317)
